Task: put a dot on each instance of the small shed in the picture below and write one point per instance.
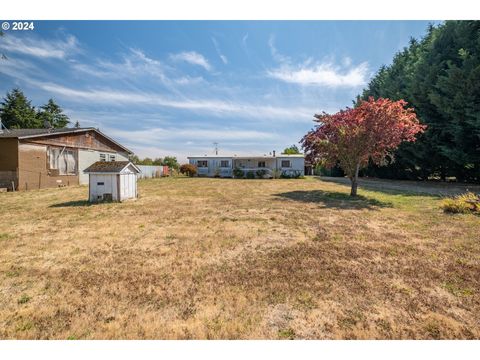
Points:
(112, 181)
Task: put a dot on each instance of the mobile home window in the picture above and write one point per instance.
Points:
(202, 163)
(261, 164)
(112, 157)
(103, 157)
(63, 160)
(224, 163)
(286, 164)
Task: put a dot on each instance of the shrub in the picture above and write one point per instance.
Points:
(468, 203)
(217, 172)
(294, 174)
(188, 169)
(238, 173)
(261, 173)
(250, 175)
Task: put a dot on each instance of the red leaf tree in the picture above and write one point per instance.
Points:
(351, 137)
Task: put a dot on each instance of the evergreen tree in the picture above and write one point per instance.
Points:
(51, 113)
(439, 76)
(16, 111)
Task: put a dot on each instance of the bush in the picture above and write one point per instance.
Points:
(468, 203)
(188, 169)
(250, 175)
(261, 173)
(238, 173)
(295, 174)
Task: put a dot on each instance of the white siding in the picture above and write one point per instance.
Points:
(88, 157)
(296, 164)
(214, 166)
(101, 184)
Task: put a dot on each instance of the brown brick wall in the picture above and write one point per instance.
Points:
(33, 171)
(8, 162)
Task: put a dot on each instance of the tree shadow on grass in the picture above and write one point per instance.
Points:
(395, 187)
(334, 199)
(75, 203)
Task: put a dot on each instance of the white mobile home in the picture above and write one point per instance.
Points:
(112, 181)
(228, 166)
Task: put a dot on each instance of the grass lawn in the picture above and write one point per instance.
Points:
(226, 259)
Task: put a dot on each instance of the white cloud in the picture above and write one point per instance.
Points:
(192, 57)
(134, 63)
(322, 74)
(56, 49)
(217, 48)
(311, 73)
(211, 106)
(275, 54)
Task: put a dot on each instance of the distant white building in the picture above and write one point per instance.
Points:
(229, 166)
(112, 181)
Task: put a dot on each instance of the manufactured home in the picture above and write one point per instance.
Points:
(42, 158)
(227, 166)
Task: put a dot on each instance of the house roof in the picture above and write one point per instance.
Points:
(247, 157)
(32, 133)
(110, 167)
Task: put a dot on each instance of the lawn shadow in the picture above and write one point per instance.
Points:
(400, 187)
(334, 199)
(75, 203)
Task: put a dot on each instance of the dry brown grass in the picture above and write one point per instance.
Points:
(218, 258)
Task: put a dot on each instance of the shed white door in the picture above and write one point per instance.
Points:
(128, 186)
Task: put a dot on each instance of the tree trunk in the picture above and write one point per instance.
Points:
(354, 180)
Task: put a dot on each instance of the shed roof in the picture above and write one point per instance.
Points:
(32, 133)
(110, 167)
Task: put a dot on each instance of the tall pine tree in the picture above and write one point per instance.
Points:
(17, 112)
(51, 114)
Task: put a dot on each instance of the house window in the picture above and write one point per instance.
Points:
(112, 157)
(261, 164)
(100, 183)
(224, 163)
(286, 164)
(63, 160)
(202, 163)
(103, 157)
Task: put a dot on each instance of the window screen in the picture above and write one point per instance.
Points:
(224, 163)
(261, 164)
(202, 163)
(286, 163)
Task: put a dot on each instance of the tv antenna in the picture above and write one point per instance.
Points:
(215, 144)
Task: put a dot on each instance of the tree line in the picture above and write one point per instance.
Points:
(17, 112)
(170, 161)
(439, 76)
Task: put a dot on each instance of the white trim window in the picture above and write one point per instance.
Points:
(103, 157)
(286, 164)
(112, 157)
(202, 163)
(261, 164)
(224, 163)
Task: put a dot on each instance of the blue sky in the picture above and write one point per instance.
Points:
(175, 87)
